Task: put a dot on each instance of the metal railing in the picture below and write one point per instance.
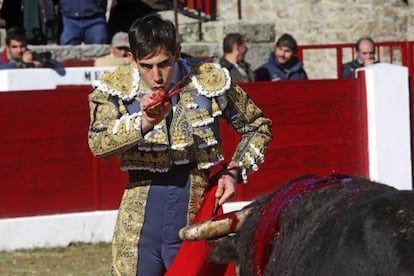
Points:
(394, 52)
(202, 10)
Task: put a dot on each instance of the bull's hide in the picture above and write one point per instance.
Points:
(347, 226)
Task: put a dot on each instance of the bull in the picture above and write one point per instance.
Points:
(339, 225)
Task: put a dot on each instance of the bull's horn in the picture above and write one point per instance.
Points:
(215, 227)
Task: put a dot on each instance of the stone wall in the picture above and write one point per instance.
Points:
(327, 22)
(310, 22)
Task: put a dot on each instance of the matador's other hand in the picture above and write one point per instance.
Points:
(227, 183)
(226, 188)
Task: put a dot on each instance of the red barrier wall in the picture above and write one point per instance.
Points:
(319, 127)
(46, 166)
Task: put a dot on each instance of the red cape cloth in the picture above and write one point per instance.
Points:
(192, 258)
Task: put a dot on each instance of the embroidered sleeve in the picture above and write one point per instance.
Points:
(255, 130)
(112, 129)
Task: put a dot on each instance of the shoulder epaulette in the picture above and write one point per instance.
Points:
(211, 80)
(123, 82)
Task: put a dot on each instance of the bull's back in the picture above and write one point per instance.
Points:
(353, 228)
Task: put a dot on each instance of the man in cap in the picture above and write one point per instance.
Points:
(119, 48)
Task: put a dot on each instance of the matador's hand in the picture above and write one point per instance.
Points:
(156, 113)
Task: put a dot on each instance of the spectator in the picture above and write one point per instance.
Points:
(365, 50)
(26, 14)
(83, 21)
(12, 13)
(16, 54)
(3, 22)
(124, 12)
(168, 149)
(235, 49)
(40, 21)
(283, 64)
(119, 49)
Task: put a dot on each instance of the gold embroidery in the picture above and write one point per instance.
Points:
(103, 141)
(187, 100)
(182, 156)
(255, 129)
(206, 138)
(211, 77)
(204, 115)
(199, 184)
(181, 136)
(215, 108)
(215, 154)
(122, 80)
(199, 117)
(192, 116)
(131, 218)
(212, 80)
(127, 231)
(122, 108)
(159, 137)
(152, 161)
(178, 138)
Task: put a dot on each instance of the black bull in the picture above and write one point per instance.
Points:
(310, 226)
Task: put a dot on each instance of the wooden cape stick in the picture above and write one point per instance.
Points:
(215, 227)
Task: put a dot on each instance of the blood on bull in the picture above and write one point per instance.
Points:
(339, 225)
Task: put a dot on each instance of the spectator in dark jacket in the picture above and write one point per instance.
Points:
(365, 50)
(124, 12)
(11, 13)
(283, 64)
(235, 49)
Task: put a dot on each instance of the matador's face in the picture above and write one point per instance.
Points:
(156, 69)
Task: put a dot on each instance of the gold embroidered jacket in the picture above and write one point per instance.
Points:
(193, 133)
